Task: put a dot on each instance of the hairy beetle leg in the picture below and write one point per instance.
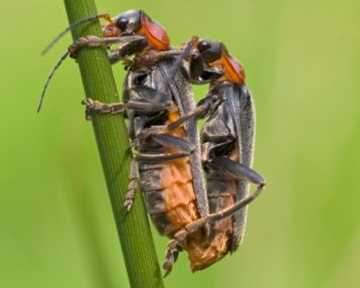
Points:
(158, 158)
(230, 168)
(97, 106)
(94, 41)
(130, 194)
(174, 142)
(174, 245)
(236, 170)
(172, 254)
(131, 45)
(116, 108)
(90, 41)
(147, 59)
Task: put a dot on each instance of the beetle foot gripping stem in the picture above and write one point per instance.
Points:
(89, 41)
(97, 106)
(129, 200)
(130, 195)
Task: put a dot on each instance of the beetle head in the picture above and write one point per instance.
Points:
(128, 22)
(137, 22)
(215, 56)
(210, 51)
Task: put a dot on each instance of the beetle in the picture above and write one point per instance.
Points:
(156, 94)
(227, 140)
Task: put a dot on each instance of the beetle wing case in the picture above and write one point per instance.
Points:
(243, 114)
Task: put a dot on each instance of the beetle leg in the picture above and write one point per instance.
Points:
(237, 206)
(97, 106)
(236, 170)
(172, 254)
(193, 226)
(159, 101)
(196, 113)
(174, 245)
(196, 66)
(181, 235)
(209, 103)
(158, 158)
(162, 55)
(119, 107)
(228, 167)
(145, 133)
(174, 142)
(130, 194)
(239, 171)
(133, 45)
(94, 41)
(158, 135)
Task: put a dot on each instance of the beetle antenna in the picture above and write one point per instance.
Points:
(75, 24)
(67, 29)
(49, 78)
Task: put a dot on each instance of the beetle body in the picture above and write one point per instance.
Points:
(229, 133)
(167, 185)
(219, 140)
(227, 138)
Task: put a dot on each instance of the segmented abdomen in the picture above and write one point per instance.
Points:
(168, 190)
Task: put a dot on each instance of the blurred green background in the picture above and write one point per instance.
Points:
(302, 60)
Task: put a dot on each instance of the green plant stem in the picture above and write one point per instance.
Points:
(110, 132)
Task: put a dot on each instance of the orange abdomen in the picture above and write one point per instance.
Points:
(176, 180)
(171, 202)
(168, 189)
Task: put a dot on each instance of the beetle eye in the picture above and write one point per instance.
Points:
(204, 45)
(122, 23)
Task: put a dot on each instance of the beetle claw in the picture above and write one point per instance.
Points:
(128, 203)
(172, 254)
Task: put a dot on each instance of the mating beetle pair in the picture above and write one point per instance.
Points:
(195, 191)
